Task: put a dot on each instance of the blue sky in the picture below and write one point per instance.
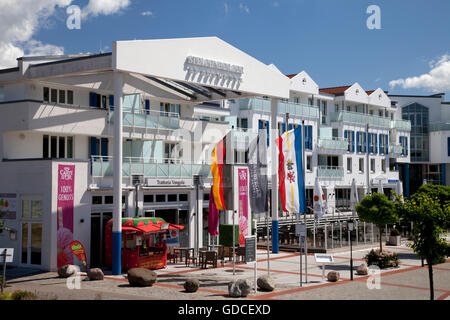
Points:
(327, 38)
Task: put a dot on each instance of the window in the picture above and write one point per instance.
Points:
(172, 198)
(96, 200)
(372, 165)
(361, 164)
(69, 97)
(349, 164)
(309, 163)
(46, 94)
(148, 198)
(109, 199)
(62, 96)
(183, 197)
(54, 96)
(160, 198)
(383, 165)
(57, 147)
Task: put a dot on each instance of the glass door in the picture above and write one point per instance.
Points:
(31, 232)
(98, 224)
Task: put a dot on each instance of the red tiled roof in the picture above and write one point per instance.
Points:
(290, 76)
(340, 90)
(335, 90)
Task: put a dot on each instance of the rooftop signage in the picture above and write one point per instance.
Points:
(214, 68)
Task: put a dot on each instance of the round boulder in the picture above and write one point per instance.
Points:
(95, 274)
(266, 283)
(362, 270)
(333, 276)
(139, 277)
(67, 270)
(191, 285)
(238, 288)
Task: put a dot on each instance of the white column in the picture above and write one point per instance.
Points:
(274, 166)
(117, 178)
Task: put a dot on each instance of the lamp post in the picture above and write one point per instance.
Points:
(350, 225)
(196, 179)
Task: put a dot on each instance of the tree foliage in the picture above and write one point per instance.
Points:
(377, 209)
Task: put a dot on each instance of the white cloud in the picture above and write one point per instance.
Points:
(244, 8)
(226, 8)
(436, 80)
(104, 7)
(21, 20)
(147, 13)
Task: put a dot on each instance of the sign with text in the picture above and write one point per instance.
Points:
(9, 255)
(323, 258)
(173, 238)
(66, 183)
(250, 249)
(243, 205)
(300, 230)
(78, 250)
(8, 203)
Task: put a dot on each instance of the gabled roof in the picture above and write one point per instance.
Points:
(340, 90)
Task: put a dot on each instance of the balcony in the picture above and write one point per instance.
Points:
(395, 150)
(150, 120)
(243, 137)
(360, 118)
(294, 109)
(333, 143)
(330, 172)
(401, 125)
(149, 168)
(439, 127)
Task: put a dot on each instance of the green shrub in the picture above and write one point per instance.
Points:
(395, 233)
(23, 295)
(226, 235)
(6, 296)
(385, 259)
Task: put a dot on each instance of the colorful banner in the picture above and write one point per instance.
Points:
(243, 205)
(66, 179)
(213, 215)
(257, 167)
(78, 250)
(8, 205)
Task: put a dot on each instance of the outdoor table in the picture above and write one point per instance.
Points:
(202, 258)
(214, 246)
(186, 254)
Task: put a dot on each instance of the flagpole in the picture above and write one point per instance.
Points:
(274, 206)
(306, 209)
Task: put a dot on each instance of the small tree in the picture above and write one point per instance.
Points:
(430, 219)
(379, 210)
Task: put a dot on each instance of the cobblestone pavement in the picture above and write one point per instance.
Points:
(408, 281)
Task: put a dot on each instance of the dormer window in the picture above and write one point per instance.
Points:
(304, 81)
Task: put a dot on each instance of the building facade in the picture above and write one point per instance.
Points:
(60, 110)
(430, 139)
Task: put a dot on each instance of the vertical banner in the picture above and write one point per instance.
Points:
(243, 205)
(66, 178)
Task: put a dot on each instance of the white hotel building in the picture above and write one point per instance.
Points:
(60, 109)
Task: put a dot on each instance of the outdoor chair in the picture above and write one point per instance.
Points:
(172, 255)
(210, 257)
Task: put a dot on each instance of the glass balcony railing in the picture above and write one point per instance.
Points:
(395, 149)
(149, 168)
(330, 172)
(150, 120)
(333, 143)
(360, 118)
(242, 135)
(294, 109)
(401, 125)
(439, 127)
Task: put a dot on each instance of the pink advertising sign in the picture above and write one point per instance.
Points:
(66, 179)
(243, 205)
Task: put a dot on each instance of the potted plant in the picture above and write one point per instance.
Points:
(394, 238)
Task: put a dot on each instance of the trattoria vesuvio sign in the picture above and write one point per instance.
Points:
(66, 183)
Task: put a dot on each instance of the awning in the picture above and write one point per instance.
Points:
(148, 225)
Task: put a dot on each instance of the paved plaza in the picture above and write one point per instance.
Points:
(407, 282)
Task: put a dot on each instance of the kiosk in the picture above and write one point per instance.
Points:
(143, 242)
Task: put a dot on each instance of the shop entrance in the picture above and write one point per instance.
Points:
(175, 216)
(98, 224)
